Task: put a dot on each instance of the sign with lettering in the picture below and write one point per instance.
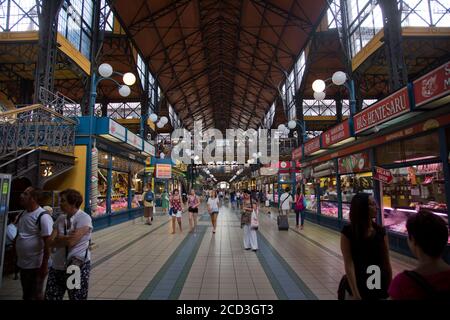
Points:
(116, 130)
(383, 175)
(433, 85)
(149, 148)
(163, 171)
(134, 140)
(312, 145)
(336, 134)
(382, 111)
(297, 153)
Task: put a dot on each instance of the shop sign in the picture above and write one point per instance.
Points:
(163, 171)
(268, 171)
(382, 111)
(297, 153)
(358, 162)
(149, 148)
(383, 175)
(336, 134)
(116, 130)
(433, 85)
(312, 145)
(134, 140)
(428, 168)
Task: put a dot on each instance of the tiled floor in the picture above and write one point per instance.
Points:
(136, 261)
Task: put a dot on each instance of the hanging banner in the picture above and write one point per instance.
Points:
(433, 85)
(163, 171)
(94, 180)
(382, 111)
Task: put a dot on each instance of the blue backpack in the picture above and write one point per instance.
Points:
(148, 196)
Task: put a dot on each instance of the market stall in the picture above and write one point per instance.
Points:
(355, 176)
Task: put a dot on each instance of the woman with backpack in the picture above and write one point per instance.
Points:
(299, 208)
(148, 198)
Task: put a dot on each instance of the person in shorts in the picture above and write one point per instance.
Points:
(213, 209)
(148, 205)
(193, 203)
(177, 209)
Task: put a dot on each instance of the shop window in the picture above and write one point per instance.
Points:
(413, 149)
(355, 177)
(119, 199)
(102, 192)
(413, 188)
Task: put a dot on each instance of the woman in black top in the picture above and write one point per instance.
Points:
(364, 243)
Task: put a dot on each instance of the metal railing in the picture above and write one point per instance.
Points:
(60, 103)
(36, 126)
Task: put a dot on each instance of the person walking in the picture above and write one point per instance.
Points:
(427, 239)
(238, 199)
(148, 198)
(71, 238)
(249, 207)
(177, 209)
(363, 244)
(299, 208)
(213, 209)
(193, 203)
(32, 243)
(285, 202)
(165, 201)
(233, 199)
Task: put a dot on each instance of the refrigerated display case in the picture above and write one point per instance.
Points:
(413, 188)
(352, 184)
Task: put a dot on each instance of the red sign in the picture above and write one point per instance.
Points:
(382, 111)
(312, 145)
(336, 134)
(433, 85)
(383, 175)
(297, 154)
(358, 162)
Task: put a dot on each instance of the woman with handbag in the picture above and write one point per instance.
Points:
(71, 237)
(364, 244)
(249, 221)
(299, 208)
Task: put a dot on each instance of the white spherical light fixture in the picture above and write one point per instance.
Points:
(318, 85)
(124, 91)
(153, 117)
(319, 96)
(162, 155)
(282, 127)
(129, 79)
(292, 124)
(105, 70)
(259, 154)
(339, 78)
(188, 152)
(160, 125)
(164, 120)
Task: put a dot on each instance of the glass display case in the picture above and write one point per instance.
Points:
(413, 188)
(328, 197)
(352, 184)
(119, 197)
(310, 197)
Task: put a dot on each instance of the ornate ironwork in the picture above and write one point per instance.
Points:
(36, 126)
(60, 103)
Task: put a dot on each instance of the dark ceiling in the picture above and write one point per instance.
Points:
(220, 61)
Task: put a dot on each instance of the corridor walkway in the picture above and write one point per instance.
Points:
(137, 261)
